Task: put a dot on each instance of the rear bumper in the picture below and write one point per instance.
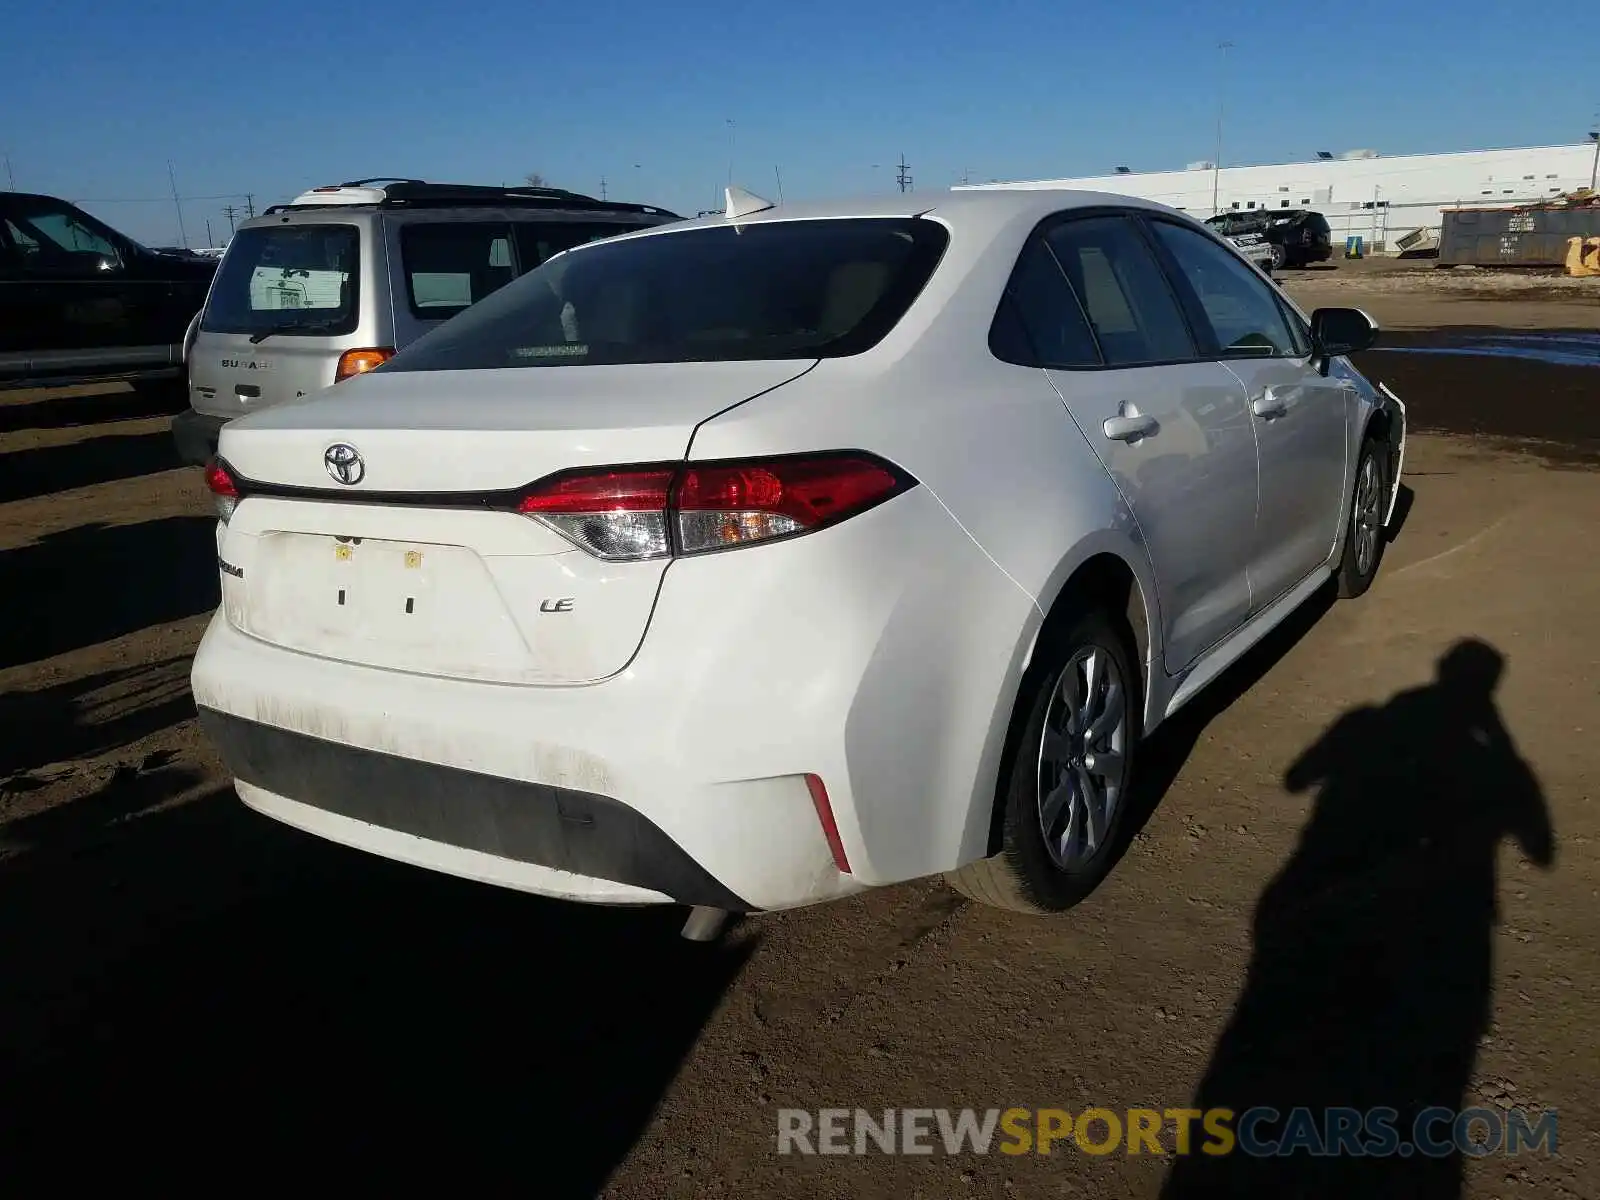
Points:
(196, 436)
(563, 830)
(880, 656)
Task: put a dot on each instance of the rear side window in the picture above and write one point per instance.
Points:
(1136, 318)
(451, 265)
(778, 290)
(1040, 322)
(287, 279)
(538, 241)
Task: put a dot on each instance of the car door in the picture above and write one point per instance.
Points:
(1170, 427)
(16, 310)
(95, 310)
(1301, 416)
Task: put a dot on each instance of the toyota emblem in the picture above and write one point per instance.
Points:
(344, 463)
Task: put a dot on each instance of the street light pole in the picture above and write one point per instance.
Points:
(1216, 163)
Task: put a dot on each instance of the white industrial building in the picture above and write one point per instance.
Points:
(1361, 193)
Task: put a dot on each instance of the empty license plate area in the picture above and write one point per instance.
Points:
(408, 605)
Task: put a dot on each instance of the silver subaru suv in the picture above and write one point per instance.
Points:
(335, 282)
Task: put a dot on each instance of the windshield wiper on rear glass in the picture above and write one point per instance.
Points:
(289, 327)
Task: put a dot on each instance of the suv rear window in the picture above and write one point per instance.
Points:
(785, 289)
(289, 279)
(450, 265)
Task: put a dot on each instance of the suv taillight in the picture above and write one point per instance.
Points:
(359, 362)
(224, 492)
(630, 514)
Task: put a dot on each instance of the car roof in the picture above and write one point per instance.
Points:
(413, 194)
(974, 208)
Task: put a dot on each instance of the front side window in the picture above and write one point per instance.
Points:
(57, 239)
(765, 290)
(1238, 304)
(297, 280)
(1135, 317)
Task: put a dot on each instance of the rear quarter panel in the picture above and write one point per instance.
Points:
(996, 448)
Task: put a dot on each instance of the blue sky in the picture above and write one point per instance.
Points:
(95, 98)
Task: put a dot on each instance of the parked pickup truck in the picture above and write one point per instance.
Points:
(81, 302)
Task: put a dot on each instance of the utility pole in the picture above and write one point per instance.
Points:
(778, 175)
(602, 187)
(209, 242)
(183, 238)
(903, 178)
(10, 178)
(1594, 171)
(730, 151)
(230, 211)
(249, 205)
(1216, 165)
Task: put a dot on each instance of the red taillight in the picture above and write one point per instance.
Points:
(220, 482)
(628, 514)
(601, 491)
(359, 362)
(224, 492)
(749, 502)
(618, 515)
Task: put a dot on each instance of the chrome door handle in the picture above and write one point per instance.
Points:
(1127, 428)
(1269, 404)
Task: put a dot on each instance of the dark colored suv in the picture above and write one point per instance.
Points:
(1297, 235)
(81, 302)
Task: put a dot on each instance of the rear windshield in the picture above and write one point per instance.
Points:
(789, 289)
(292, 279)
(450, 265)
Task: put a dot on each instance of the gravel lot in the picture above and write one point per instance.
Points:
(1354, 889)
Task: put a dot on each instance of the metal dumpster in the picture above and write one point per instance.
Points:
(1514, 237)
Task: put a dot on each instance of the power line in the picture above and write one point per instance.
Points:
(151, 199)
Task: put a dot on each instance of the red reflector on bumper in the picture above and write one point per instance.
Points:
(830, 827)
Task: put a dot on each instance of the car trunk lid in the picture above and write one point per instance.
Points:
(420, 563)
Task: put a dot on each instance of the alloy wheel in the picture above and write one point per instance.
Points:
(1083, 757)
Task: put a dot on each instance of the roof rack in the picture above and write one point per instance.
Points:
(408, 193)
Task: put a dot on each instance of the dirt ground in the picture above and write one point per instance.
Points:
(1364, 875)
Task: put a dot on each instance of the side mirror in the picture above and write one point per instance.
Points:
(1336, 332)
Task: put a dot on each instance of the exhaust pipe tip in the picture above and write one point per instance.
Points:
(704, 924)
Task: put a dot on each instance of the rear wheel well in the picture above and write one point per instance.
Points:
(1105, 584)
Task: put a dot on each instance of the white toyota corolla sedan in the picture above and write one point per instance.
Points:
(755, 560)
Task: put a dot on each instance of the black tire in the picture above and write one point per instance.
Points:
(1026, 875)
(168, 393)
(1280, 257)
(1359, 559)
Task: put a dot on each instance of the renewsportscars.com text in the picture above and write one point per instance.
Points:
(1258, 1132)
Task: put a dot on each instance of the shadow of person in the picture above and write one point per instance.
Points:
(1372, 976)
